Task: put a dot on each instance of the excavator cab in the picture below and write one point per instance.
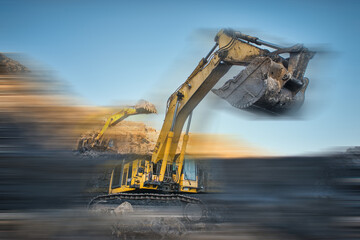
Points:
(125, 176)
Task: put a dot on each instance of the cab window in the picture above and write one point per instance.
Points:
(116, 177)
(124, 177)
(129, 175)
(190, 170)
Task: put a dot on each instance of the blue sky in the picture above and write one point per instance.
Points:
(116, 52)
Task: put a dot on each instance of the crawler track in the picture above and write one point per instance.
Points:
(144, 196)
(148, 199)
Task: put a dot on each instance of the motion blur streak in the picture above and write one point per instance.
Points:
(45, 187)
(221, 146)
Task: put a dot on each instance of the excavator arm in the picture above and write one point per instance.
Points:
(115, 119)
(269, 82)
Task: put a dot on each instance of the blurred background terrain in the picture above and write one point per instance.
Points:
(46, 185)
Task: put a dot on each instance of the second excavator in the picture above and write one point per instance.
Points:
(272, 81)
(96, 140)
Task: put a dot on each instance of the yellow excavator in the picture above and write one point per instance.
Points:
(272, 81)
(96, 140)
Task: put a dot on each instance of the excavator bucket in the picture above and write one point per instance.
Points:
(145, 107)
(268, 86)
